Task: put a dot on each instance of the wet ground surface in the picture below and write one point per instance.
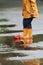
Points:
(14, 16)
(10, 55)
(19, 56)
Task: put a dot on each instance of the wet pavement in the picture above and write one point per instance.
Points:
(14, 16)
(15, 56)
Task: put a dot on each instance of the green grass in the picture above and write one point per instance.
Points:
(38, 38)
(4, 30)
(2, 39)
(2, 20)
(7, 26)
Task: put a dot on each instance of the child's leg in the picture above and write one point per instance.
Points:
(27, 31)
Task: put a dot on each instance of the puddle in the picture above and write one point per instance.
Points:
(9, 56)
(30, 55)
(21, 57)
(36, 45)
(13, 56)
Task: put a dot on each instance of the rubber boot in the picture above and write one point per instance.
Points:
(26, 38)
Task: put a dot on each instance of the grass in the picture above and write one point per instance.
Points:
(7, 26)
(4, 30)
(2, 20)
(37, 38)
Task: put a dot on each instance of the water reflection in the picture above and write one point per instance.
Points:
(9, 56)
(32, 62)
(18, 59)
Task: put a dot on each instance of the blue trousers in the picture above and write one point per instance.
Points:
(27, 22)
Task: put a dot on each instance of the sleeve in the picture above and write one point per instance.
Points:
(33, 3)
(27, 6)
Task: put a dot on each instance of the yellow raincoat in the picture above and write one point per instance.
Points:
(29, 6)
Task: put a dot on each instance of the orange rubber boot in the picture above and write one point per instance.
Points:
(26, 38)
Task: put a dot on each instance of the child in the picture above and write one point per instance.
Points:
(29, 12)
